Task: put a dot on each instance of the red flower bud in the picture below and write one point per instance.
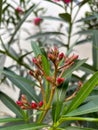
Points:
(67, 1)
(60, 80)
(37, 21)
(19, 103)
(34, 105)
(61, 55)
(31, 72)
(19, 10)
(40, 103)
(34, 60)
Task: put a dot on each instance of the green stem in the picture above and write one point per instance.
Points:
(70, 27)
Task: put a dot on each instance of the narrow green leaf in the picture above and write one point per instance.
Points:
(77, 128)
(95, 49)
(83, 2)
(35, 48)
(25, 127)
(59, 98)
(66, 17)
(39, 35)
(84, 92)
(3, 120)
(52, 18)
(11, 104)
(89, 107)
(22, 83)
(76, 65)
(45, 65)
(21, 22)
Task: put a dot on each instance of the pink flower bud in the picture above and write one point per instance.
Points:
(34, 60)
(67, 1)
(19, 103)
(60, 80)
(37, 21)
(40, 103)
(34, 105)
(19, 10)
(61, 55)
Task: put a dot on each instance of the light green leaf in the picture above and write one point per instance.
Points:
(84, 92)
(25, 127)
(90, 107)
(45, 65)
(35, 48)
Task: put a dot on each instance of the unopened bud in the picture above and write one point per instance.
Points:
(60, 80)
(34, 105)
(40, 103)
(19, 103)
(61, 55)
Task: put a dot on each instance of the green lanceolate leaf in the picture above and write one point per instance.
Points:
(59, 98)
(35, 48)
(22, 83)
(95, 49)
(11, 104)
(77, 128)
(25, 127)
(84, 92)
(44, 34)
(76, 65)
(90, 107)
(45, 65)
(3, 120)
(66, 17)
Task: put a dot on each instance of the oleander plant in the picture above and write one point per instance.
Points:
(53, 92)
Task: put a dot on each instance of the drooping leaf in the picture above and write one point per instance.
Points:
(84, 92)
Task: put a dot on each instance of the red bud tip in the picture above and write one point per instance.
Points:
(40, 103)
(37, 21)
(34, 105)
(76, 57)
(30, 72)
(60, 80)
(19, 103)
(19, 10)
(61, 55)
(34, 60)
(67, 1)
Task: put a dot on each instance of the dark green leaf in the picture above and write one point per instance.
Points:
(3, 120)
(77, 128)
(66, 17)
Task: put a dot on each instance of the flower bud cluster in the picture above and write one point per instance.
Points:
(24, 104)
